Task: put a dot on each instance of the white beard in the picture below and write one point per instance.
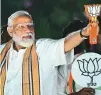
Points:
(28, 43)
(24, 42)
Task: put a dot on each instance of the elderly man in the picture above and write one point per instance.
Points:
(29, 67)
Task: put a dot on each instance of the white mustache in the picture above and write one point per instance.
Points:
(29, 34)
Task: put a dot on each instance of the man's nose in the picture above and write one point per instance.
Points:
(27, 30)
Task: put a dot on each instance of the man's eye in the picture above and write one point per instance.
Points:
(30, 26)
(21, 26)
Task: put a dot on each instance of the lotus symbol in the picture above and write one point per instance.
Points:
(94, 10)
(90, 68)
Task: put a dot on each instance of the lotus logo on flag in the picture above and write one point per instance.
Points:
(86, 70)
(94, 10)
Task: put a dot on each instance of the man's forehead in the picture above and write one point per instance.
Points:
(22, 19)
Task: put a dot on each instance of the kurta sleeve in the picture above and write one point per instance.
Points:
(53, 50)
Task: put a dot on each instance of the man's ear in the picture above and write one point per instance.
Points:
(10, 31)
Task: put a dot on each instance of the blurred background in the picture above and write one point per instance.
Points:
(50, 16)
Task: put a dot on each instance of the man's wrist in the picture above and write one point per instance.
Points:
(83, 36)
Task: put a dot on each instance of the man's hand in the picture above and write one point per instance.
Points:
(85, 91)
(87, 30)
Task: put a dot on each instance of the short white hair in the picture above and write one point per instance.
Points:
(17, 14)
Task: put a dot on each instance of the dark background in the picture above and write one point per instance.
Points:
(50, 16)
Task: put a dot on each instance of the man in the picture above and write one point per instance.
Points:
(64, 71)
(29, 67)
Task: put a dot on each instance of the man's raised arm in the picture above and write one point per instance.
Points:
(76, 38)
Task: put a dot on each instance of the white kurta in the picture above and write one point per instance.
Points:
(50, 56)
